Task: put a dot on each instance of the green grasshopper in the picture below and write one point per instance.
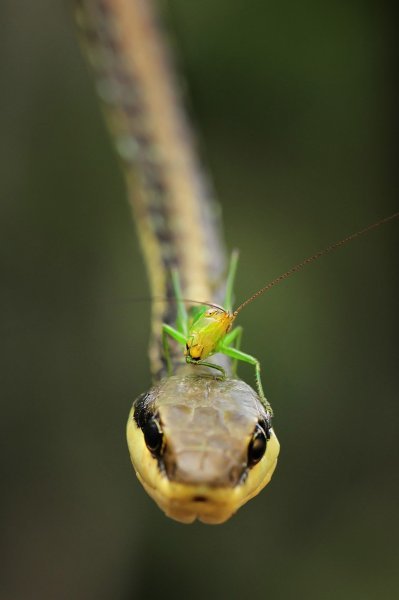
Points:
(210, 328)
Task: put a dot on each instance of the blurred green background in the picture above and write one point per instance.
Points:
(295, 107)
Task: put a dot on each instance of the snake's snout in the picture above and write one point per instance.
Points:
(203, 466)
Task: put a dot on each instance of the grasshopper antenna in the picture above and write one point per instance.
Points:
(165, 299)
(313, 258)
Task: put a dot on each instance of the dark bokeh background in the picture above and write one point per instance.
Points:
(294, 102)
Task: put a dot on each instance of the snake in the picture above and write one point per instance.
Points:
(200, 446)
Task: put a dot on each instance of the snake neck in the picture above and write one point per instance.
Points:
(177, 219)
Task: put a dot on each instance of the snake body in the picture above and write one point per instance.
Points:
(178, 221)
(191, 437)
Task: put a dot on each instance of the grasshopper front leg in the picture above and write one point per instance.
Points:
(234, 336)
(204, 363)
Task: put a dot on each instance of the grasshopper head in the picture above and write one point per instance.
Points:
(196, 351)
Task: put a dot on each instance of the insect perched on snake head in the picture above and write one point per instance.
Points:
(199, 440)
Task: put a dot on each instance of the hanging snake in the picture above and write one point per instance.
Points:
(201, 446)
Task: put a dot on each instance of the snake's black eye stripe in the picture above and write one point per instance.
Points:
(142, 409)
(257, 446)
(148, 421)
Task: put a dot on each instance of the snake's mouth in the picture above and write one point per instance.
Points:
(186, 503)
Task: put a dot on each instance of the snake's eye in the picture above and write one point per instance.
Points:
(153, 436)
(257, 446)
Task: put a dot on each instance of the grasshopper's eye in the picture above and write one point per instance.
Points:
(153, 436)
(257, 446)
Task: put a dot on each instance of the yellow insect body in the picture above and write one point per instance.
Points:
(205, 333)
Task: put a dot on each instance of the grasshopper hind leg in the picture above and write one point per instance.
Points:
(238, 355)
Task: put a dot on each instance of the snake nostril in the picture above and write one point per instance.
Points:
(200, 499)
